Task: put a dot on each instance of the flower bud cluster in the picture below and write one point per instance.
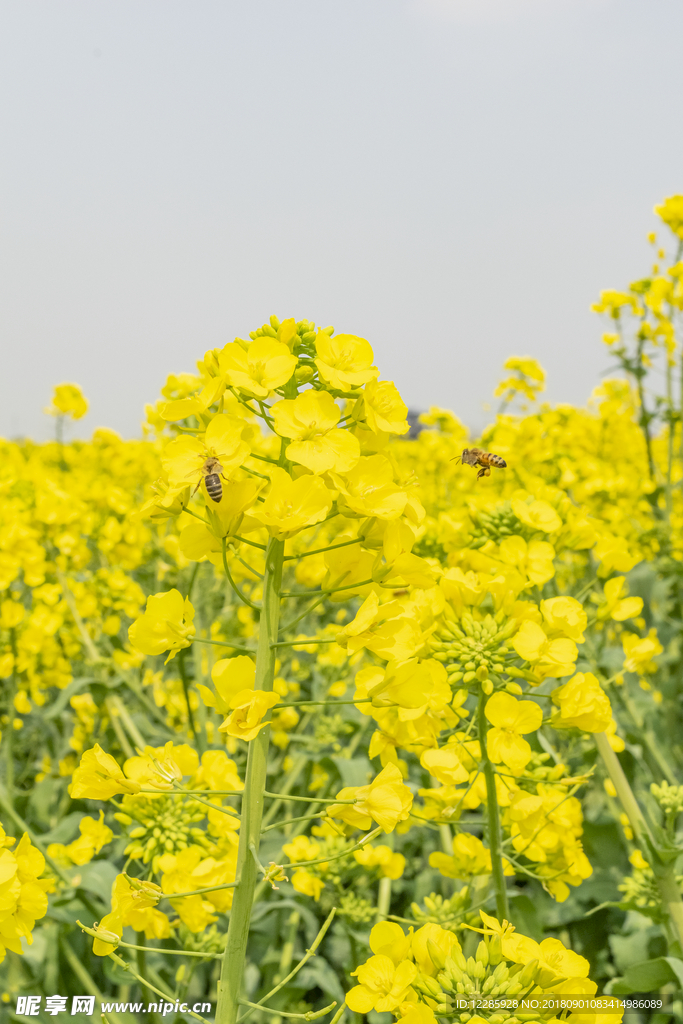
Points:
(448, 913)
(494, 524)
(166, 825)
(669, 798)
(483, 976)
(473, 649)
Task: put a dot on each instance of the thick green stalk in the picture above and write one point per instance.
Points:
(495, 834)
(664, 872)
(252, 803)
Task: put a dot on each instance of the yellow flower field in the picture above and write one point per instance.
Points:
(308, 715)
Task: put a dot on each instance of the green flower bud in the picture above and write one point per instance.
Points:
(436, 955)
(304, 373)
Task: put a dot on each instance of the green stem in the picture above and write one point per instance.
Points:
(166, 995)
(312, 605)
(303, 817)
(223, 643)
(84, 978)
(151, 949)
(128, 723)
(182, 665)
(252, 543)
(310, 1015)
(252, 802)
(198, 892)
(319, 551)
(302, 642)
(285, 961)
(334, 590)
(232, 583)
(495, 836)
(118, 728)
(338, 856)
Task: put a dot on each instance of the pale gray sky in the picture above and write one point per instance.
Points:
(454, 180)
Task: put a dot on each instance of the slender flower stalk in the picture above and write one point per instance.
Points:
(232, 970)
(493, 816)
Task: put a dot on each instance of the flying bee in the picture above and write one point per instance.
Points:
(477, 457)
(212, 470)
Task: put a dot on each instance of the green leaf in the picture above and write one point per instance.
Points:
(649, 975)
(96, 877)
(66, 695)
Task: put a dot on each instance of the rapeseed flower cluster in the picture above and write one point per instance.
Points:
(288, 648)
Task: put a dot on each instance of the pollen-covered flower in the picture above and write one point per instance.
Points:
(257, 368)
(167, 625)
(554, 658)
(583, 705)
(292, 505)
(383, 409)
(184, 457)
(445, 765)
(344, 362)
(369, 489)
(249, 707)
(386, 800)
(310, 422)
(511, 719)
(564, 617)
(230, 676)
(98, 777)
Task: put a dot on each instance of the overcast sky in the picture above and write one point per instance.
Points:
(454, 180)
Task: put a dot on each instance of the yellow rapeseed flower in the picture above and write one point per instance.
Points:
(99, 777)
(230, 676)
(292, 505)
(167, 624)
(383, 409)
(548, 658)
(386, 800)
(344, 362)
(184, 457)
(640, 651)
(511, 718)
(68, 400)
(249, 707)
(583, 704)
(257, 368)
(310, 422)
(617, 605)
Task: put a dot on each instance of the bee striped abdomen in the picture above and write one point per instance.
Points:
(214, 487)
(496, 460)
